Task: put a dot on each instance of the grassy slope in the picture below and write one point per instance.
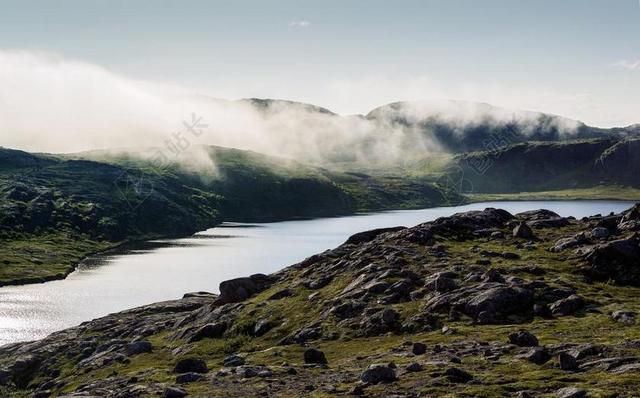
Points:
(349, 355)
(58, 209)
(595, 193)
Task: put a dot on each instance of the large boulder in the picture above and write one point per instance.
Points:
(379, 373)
(187, 365)
(472, 221)
(239, 289)
(314, 356)
(618, 260)
(494, 304)
(367, 236)
(523, 339)
(523, 231)
(567, 306)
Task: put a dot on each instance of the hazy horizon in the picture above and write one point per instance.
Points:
(92, 75)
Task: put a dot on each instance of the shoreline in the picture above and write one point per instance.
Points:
(470, 199)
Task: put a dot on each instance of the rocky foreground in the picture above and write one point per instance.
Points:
(482, 303)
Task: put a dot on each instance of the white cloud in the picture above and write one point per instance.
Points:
(300, 24)
(631, 65)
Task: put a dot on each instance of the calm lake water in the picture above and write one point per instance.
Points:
(166, 269)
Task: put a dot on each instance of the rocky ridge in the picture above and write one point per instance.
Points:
(483, 303)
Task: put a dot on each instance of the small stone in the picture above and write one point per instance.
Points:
(209, 331)
(262, 327)
(456, 375)
(567, 306)
(523, 231)
(414, 367)
(419, 348)
(234, 360)
(390, 316)
(567, 361)
(138, 347)
(523, 339)
(191, 365)
(537, 355)
(571, 392)
(378, 373)
(174, 392)
(189, 378)
(624, 317)
(357, 390)
(541, 310)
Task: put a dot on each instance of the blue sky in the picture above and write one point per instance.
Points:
(577, 58)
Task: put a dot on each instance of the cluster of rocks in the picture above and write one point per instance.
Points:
(387, 282)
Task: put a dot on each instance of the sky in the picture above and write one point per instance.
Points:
(580, 59)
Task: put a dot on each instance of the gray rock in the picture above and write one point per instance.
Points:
(617, 261)
(441, 283)
(567, 306)
(499, 302)
(537, 355)
(493, 275)
(5, 377)
(280, 294)
(234, 360)
(307, 333)
(209, 331)
(138, 347)
(571, 392)
(189, 378)
(418, 348)
(239, 289)
(625, 317)
(456, 375)
(174, 392)
(379, 373)
(583, 351)
(567, 361)
(569, 243)
(390, 316)
(523, 231)
(262, 327)
(599, 233)
(367, 236)
(347, 310)
(523, 339)
(414, 367)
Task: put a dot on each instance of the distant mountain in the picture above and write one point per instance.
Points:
(394, 133)
(548, 166)
(459, 126)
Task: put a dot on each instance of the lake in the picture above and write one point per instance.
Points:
(166, 269)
